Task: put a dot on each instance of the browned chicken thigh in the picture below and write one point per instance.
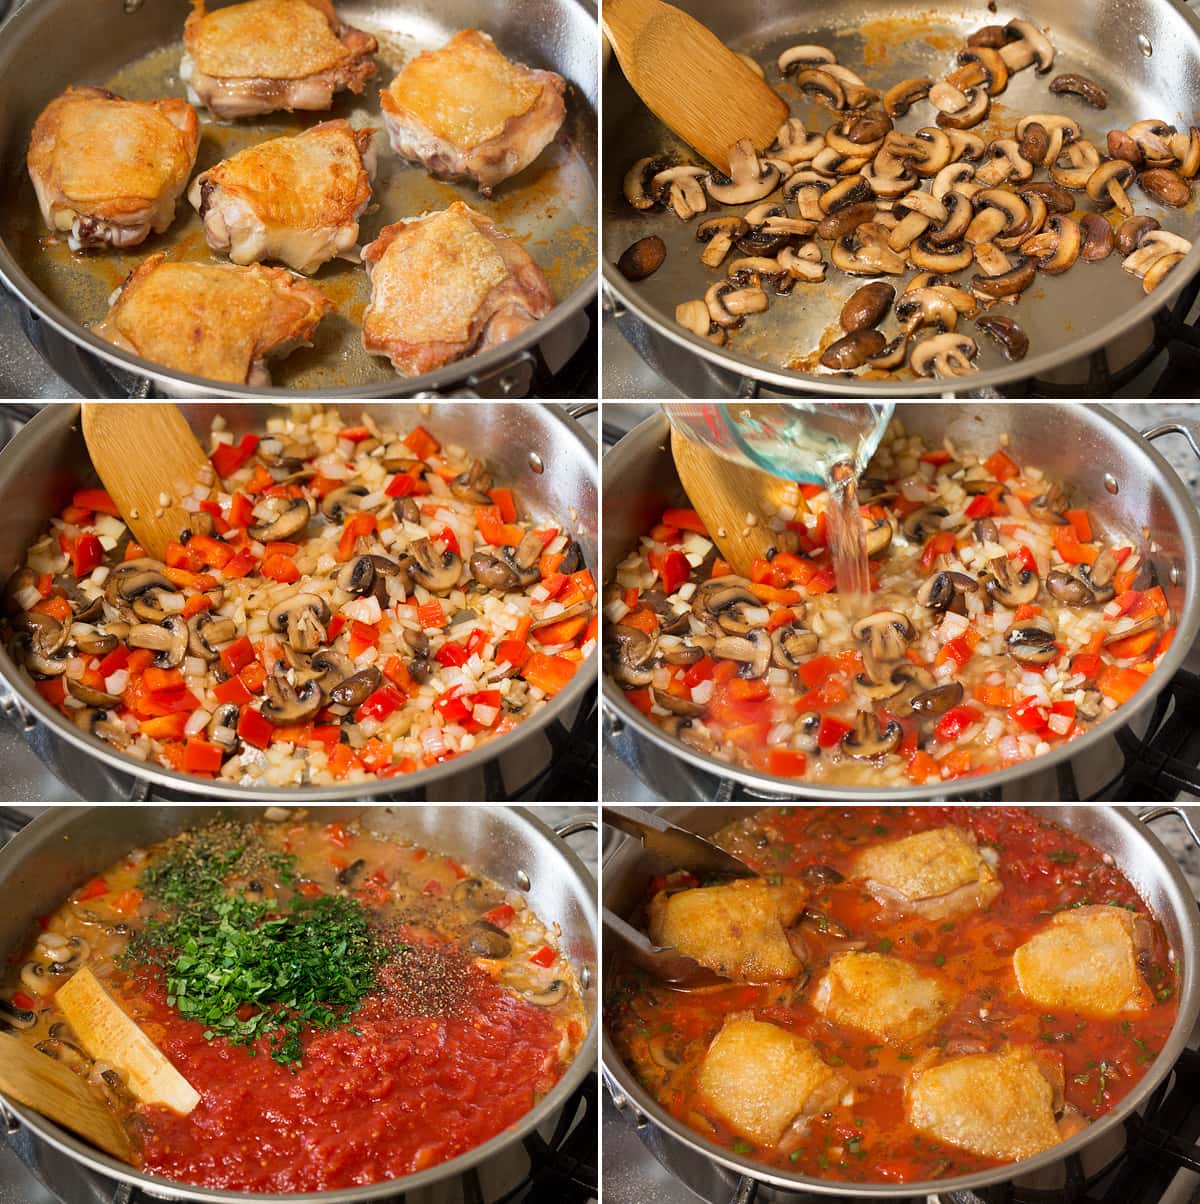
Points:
(467, 112)
(108, 170)
(213, 320)
(296, 200)
(265, 55)
(446, 285)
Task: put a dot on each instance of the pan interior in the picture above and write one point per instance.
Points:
(549, 208)
(887, 44)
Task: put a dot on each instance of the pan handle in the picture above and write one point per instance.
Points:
(1149, 814)
(1190, 431)
(574, 824)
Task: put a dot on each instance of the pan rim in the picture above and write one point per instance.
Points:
(459, 374)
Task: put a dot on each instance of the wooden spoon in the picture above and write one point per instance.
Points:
(47, 1086)
(734, 502)
(690, 80)
(148, 459)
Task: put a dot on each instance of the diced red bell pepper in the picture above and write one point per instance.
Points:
(92, 890)
(431, 615)
(512, 652)
(1027, 559)
(685, 520)
(452, 654)
(421, 443)
(1119, 684)
(1029, 714)
(403, 484)
(128, 901)
(254, 729)
(86, 555)
(956, 721)
(355, 434)
(507, 503)
(702, 670)
(234, 690)
(227, 458)
(959, 650)
(202, 756)
(242, 565)
(387, 700)
(451, 706)
(544, 957)
(99, 500)
(117, 659)
(784, 763)
(1082, 523)
(357, 525)
(939, 544)
(238, 655)
(1002, 466)
(673, 571)
(831, 732)
(280, 568)
(981, 506)
(501, 916)
(447, 537)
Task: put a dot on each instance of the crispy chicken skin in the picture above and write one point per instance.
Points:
(446, 285)
(467, 112)
(213, 320)
(108, 170)
(272, 54)
(882, 995)
(1086, 960)
(295, 200)
(765, 1082)
(737, 929)
(932, 874)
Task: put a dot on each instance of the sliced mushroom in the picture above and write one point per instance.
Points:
(637, 189)
(437, 571)
(864, 252)
(899, 98)
(944, 259)
(677, 706)
(789, 643)
(473, 485)
(207, 632)
(90, 696)
(337, 503)
(12, 1016)
(1069, 588)
(852, 350)
(1031, 46)
(1057, 247)
(817, 84)
(291, 520)
(168, 639)
(1007, 332)
(867, 740)
(643, 258)
(938, 700)
(301, 620)
(1166, 187)
(555, 993)
(682, 190)
(922, 521)
(1008, 284)
(222, 727)
(488, 940)
(357, 688)
(750, 179)
(629, 652)
(879, 534)
(1153, 623)
(1107, 184)
(887, 633)
(752, 650)
(1098, 238)
(941, 590)
(978, 102)
(1131, 232)
(895, 681)
(1079, 85)
(1011, 586)
(944, 355)
(1031, 641)
(287, 704)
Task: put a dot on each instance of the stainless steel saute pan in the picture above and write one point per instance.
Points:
(550, 462)
(1117, 474)
(1145, 53)
(64, 846)
(1140, 856)
(134, 48)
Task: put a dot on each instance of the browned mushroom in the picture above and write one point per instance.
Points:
(853, 350)
(1007, 332)
(643, 258)
(867, 306)
(1081, 86)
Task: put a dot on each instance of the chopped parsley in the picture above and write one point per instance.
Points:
(742, 1147)
(1062, 856)
(248, 968)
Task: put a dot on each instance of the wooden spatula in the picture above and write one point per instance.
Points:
(690, 80)
(149, 461)
(39, 1082)
(734, 502)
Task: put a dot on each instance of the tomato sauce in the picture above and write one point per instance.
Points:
(1044, 868)
(396, 1094)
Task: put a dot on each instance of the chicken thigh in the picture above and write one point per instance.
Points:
(213, 320)
(265, 55)
(108, 170)
(467, 112)
(446, 285)
(296, 200)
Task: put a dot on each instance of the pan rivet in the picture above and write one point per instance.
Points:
(507, 384)
(535, 462)
(585, 977)
(1144, 45)
(523, 882)
(1175, 573)
(1111, 484)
